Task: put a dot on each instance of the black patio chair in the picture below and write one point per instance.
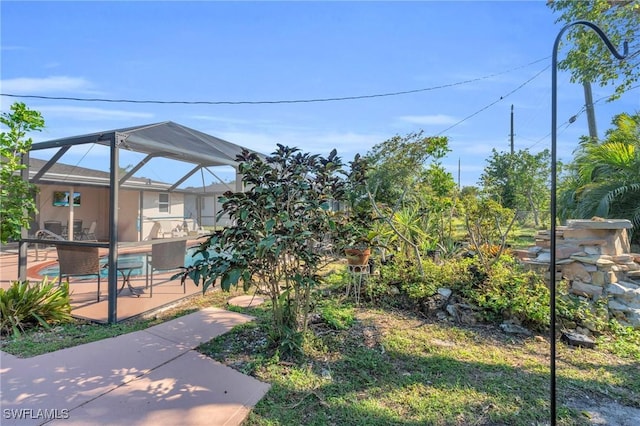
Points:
(54, 226)
(165, 257)
(79, 261)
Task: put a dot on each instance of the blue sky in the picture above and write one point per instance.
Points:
(489, 55)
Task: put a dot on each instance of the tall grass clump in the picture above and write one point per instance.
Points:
(26, 305)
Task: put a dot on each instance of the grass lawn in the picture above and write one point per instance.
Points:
(393, 368)
(372, 366)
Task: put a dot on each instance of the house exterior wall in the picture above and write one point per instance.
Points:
(209, 209)
(128, 202)
(94, 205)
(151, 212)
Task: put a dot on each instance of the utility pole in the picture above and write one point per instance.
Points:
(591, 115)
(511, 129)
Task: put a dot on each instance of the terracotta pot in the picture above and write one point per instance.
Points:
(357, 256)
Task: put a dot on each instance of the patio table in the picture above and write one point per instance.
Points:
(125, 267)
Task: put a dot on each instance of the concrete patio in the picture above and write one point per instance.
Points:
(83, 291)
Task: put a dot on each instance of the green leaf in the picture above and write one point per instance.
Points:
(230, 278)
(268, 241)
(269, 224)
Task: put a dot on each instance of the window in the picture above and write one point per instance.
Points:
(163, 203)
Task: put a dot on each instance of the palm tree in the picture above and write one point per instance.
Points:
(606, 176)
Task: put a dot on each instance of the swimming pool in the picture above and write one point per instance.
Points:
(52, 271)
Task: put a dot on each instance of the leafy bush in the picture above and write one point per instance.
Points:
(458, 274)
(337, 279)
(285, 208)
(570, 307)
(24, 305)
(510, 291)
(339, 318)
(502, 290)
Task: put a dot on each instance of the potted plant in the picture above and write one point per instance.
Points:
(359, 251)
(357, 222)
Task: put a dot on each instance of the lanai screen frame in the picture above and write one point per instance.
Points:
(166, 140)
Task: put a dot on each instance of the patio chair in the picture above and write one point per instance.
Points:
(79, 261)
(90, 232)
(160, 229)
(165, 257)
(77, 229)
(154, 233)
(43, 234)
(54, 226)
(199, 229)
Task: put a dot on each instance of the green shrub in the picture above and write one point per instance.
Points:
(570, 307)
(24, 305)
(457, 274)
(339, 318)
(337, 279)
(510, 291)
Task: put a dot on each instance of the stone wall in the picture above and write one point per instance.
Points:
(594, 257)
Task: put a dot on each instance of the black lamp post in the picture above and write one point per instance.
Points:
(552, 260)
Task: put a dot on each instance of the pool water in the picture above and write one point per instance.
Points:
(53, 271)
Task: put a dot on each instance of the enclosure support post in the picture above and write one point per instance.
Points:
(112, 315)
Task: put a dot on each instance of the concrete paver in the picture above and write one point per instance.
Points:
(150, 377)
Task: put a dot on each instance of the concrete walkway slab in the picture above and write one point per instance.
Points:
(155, 368)
(246, 300)
(206, 393)
(199, 327)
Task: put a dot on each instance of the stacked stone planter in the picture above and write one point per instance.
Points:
(594, 257)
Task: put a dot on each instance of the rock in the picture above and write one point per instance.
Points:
(597, 278)
(592, 250)
(564, 252)
(462, 313)
(577, 339)
(581, 288)
(584, 330)
(576, 271)
(444, 292)
(599, 224)
(544, 256)
(616, 289)
(619, 307)
(602, 262)
(592, 242)
(622, 258)
(632, 266)
(591, 260)
(534, 250)
(326, 374)
(510, 327)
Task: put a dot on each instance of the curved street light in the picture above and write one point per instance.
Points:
(552, 260)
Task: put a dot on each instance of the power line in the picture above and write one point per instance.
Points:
(496, 101)
(575, 116)
(283, 101)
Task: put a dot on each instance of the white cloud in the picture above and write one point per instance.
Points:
(346, 143)
(436, 119)
(25, 85)
(87, 113)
